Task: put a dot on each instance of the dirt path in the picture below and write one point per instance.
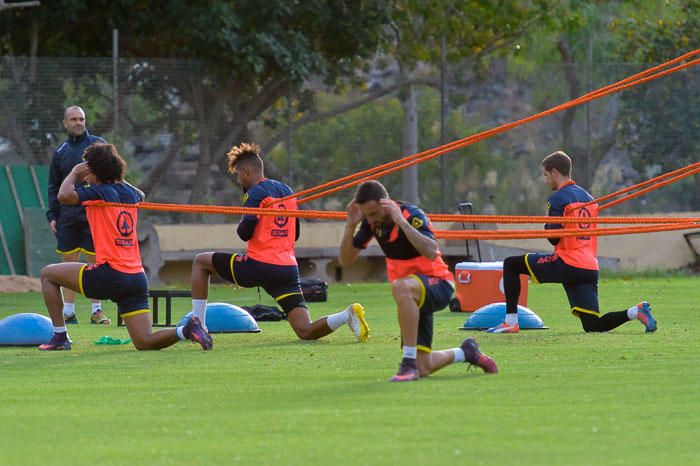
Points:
(18, 283)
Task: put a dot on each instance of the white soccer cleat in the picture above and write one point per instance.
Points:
(357, 322)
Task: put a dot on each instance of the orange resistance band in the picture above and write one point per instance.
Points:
(650, 188)
(670, 177)
(446, 218)
(529, 234)
(481, 136)
(668, 224)
(385, 169)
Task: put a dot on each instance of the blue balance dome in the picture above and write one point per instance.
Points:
(26, 329)
(493, 314)
(226, 318)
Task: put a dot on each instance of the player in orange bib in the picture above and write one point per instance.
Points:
(420, 280)
(574, 262)
(270, 262)
(117, 274)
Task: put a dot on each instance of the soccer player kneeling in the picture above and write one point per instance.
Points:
(117, 274)
(574, 262)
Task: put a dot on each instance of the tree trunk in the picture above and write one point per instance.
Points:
(209, 112)
(410, 145)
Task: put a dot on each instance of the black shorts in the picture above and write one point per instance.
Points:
(128, 290)
(279, 281)
(435, 295)
(74, 237)
(581, 285)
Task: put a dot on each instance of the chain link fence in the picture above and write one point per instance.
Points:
(155, 118)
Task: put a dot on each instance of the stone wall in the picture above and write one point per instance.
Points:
(317, 250)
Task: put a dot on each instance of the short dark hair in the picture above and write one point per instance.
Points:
(246, 154)
(105, 162)
(559, 161)
(370, 191)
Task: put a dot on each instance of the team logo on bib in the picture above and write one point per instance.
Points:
(125, 223)
(281, 222)
(125, 227)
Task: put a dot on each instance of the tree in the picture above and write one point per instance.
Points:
(578, 38)
(660, 121)
(249, 53)
(466, 33)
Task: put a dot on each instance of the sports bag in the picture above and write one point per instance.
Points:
(314, 290)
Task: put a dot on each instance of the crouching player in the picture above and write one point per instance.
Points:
(117, 273)
(574, 262)
(270, 261)
(420, 281)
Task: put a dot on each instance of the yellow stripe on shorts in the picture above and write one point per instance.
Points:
(80, 279)
(135, 313)
(68, 252)
(576, 309)
(532, 274)
(233, 256)
(421, 300)
(280, 297)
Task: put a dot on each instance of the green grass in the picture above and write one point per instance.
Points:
(562, 398)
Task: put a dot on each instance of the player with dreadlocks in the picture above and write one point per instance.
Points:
(270, 261)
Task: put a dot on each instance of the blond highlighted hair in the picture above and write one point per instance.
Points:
(246, 153)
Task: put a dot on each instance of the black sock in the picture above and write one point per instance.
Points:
(513, 267)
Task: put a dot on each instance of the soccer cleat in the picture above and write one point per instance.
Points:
(645, 317)
(57, 344)
(71, 319)
(194, 330)
(99, 318)
(475, 357)
(357, 322)
(407, 372)
(504, 328)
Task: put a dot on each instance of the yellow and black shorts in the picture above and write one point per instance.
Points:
(128, 290)
(581, 285)
(74, 236)
(436, 294)
(279, 281)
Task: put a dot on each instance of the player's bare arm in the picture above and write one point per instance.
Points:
(66, 193)
(348, 252)
(427, 247)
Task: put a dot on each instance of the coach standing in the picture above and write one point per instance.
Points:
(69, 223)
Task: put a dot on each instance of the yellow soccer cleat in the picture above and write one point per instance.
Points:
(357, 322)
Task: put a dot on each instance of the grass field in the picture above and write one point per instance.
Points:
(562, 398)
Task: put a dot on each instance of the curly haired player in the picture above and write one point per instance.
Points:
(117, 273)
(269, 261)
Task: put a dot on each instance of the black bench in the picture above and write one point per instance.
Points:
(168, 295)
